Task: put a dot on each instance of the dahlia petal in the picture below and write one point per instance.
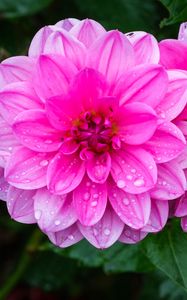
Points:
(106, 232)
(166, 143)
(145, 46)
(64, 44)
(52, 76)
(68, 23)
(34, 131)
(66, 237)
(137, 123)
(7, 139)
(171, 182)
(65, 172)
(111, 54)
(52, 212)
(4, 157)
(133, 210)
(17, 68)
(17, 97)
(173, 54)
(87, 31)
(98, 167)
(158, 217)
(27, 169)
(182, 36)
(176, 96)
(69, 146)
(90, 201)
(132, 236)
(143, 83)
(181, 206)
(38, 42)
(4, 186)
(20, 205)
(133, 170)
(184, 223)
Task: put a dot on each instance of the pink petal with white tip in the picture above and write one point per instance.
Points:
(34, 131)
(176, 97)
(134, 170)
(17, 97)
(145, 83)
(145, 46)
(52, 75)
(87, 31)
(184, 223)
(67, 24)
(64, 44)
(7, 139)
(182, 36)
(166, 143)
(52, 212)
(27, 169)
(66, 237)
(133, 210)
(158, 217)
(20, 205)
(111, 54)
(90, 201)
(106, 232)
(98, 167)
(65, 173)
(181, 206)
(17, 68)
(171, 182)
(132, 236)
(38, 42)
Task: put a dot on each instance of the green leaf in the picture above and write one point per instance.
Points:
(19, 8)
(167, 250)
(117, 259)
(177, 11)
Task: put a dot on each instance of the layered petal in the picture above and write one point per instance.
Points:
(27, 169)
(65, 172)
(66, 237)
(52, 76)
(106, 232)
(173, 54)
(98, 167)
(133, 210)
(4, 186)
(7, 139)
(111, 54)
(166, 143)
(17, 68)
(171, 182)
(68, 23)
(64, 44)
(176, 97)
(132, 236)
(158, 217)
(34, 131)
(53, 213)
(20, 204)
(145, 83)
(90, 201)
(134, 170)
(87, 31)
(184, 223)
(181, 206)
(137, 123)
(17, 97)
(145, 47)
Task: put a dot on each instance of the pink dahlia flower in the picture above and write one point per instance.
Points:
(87, 139)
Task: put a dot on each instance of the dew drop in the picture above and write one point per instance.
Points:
(44, 163)
(121, 183)
(139, 182)
(129, 177)
(37, 214)
(107, 231)
(126, 201)
(71, 237)
(94, 203)
(48, 142)
(86, 196)
(57, 222)
(95, 231)
(95, 196)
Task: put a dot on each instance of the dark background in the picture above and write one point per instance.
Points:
(31, 268)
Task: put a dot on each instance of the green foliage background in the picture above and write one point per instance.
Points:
(31, 267)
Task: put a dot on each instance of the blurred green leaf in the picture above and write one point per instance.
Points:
(117, 259)
(19, 8)
(177, 11)
(167, 251)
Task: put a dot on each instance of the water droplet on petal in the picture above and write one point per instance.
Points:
(44, 163)
(126, 201)
(37, 214)
(107, 231)
(57, 222)
(94, 203)
(71, 237)
(121, 183)
(86, 196)
(95, 196)
(95, 231)
(139, 182)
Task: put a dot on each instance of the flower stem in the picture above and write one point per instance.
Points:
(23, 263)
